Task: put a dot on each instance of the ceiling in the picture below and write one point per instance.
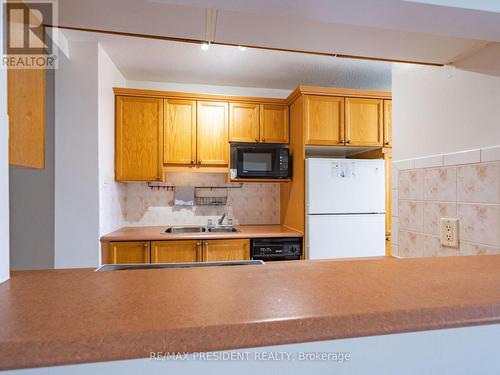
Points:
(141, 59)
(431, 31)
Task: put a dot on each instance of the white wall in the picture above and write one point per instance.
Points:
(443, 110)
(111, 216)
(76, 158)
(4, 171)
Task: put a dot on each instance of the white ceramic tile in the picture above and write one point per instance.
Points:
(411, 184)
(433, 212)
(440, 184)
(464, 157)
(395, 177)
(395, 203)
(394, 230)
(433, 248)
(252, 204)
(479, 223)
(395, 251)
(479, 183)
(404, 164)
(411, 216)
(429, 162)
(411, 244)
(468, 248)
(490, 154)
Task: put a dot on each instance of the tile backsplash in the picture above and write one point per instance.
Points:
(468, 191)
(251, 204)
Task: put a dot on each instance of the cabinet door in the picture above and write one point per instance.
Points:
(274, 123)
(129, 252)
(364, 120)
(180, 132)
(243, 122)
(139, 138)
(388, 123)
(225, 250)
(175, 251)
(212, 128)
(324, 120)
(26, 108)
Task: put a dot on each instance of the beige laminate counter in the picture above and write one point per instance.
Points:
(69, 316)
(155, 233)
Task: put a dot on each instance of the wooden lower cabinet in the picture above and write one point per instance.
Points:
(176, 251)
(224, 250)
(129, 252)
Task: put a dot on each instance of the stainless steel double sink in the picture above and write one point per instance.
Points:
(201, 229)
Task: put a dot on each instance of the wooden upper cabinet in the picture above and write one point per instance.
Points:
(388, 123)
(176, 251)
(129, 252)
(225, 250)
(139, 138)
(179, 132)
(26, 109)
(324, 117)
(364, 122)
(274, 127)
(244, 122)
(212, 133)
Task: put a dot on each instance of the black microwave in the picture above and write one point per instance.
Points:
(260, 161)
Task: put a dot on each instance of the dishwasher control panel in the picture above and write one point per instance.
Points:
(271, 249)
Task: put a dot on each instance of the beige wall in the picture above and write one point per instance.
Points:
(442, 110)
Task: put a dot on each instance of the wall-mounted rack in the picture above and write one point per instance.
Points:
(211, 199)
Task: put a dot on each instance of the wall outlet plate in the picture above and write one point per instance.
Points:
(449, 232)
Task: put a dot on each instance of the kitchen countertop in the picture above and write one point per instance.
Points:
(154, 233)
(54, 317)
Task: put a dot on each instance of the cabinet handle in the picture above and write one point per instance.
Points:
(192, 161)
(348, 141)
(387, 142)
(263, 139)
(256, 139)
(199, 161)
(145, 244)
(341, 141)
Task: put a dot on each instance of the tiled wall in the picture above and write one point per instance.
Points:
(139, 206)
(463, 185)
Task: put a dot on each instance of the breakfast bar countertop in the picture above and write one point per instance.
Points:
(67, 316)
(154, 233)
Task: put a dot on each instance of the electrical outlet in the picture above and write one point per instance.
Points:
(449, 232)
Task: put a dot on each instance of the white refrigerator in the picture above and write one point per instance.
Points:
(345, 208)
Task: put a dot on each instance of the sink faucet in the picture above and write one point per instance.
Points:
(221, 220)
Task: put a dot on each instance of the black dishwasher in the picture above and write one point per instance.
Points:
(273, 249)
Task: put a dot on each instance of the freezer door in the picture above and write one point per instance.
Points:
(345, 236)
(345, 186)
